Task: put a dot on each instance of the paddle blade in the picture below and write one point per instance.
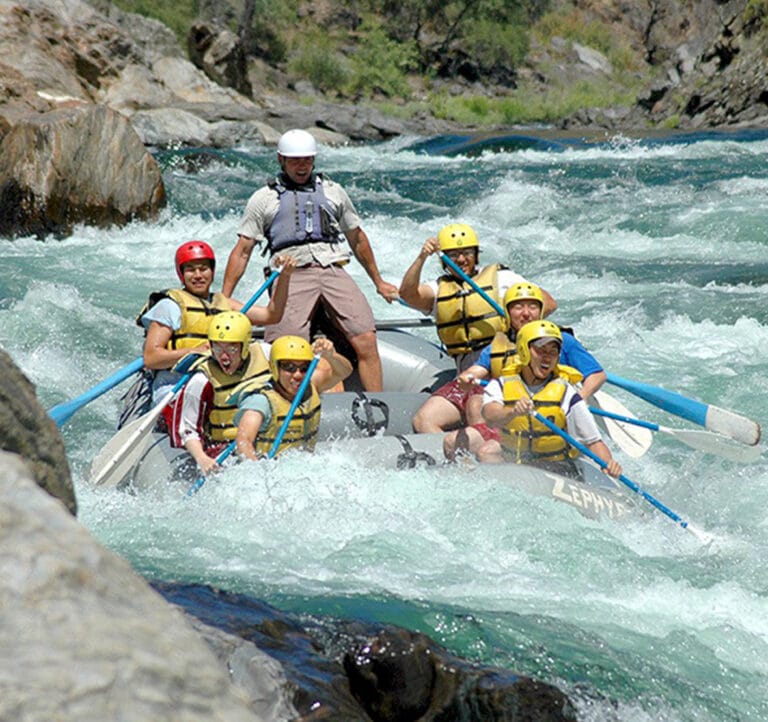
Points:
(61, 413)
(714, 443)
(632, 440)
(124, 450)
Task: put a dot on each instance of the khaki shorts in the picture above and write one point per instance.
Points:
(334, 288)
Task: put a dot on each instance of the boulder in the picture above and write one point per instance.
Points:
(399, 675)
(83, 636)
(75, 165)
(27, 430)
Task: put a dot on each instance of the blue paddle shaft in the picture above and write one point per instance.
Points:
(604, 465)
(669, 401)
(294, 405)
(464, 277)
(626, 419)
(61, 413)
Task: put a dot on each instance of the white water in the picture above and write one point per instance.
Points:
(657, 258)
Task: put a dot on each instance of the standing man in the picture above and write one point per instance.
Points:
(466, 322)
(302, 214)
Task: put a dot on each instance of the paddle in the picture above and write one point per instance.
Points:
(633, 441)
(698, 533)
(711, 417)
(464, 277)
(127, 446)
(708, 441)
(61, 413)
(281, 432)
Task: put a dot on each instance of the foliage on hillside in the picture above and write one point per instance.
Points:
(464, 60)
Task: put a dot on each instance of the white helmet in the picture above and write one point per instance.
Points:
(296, 143)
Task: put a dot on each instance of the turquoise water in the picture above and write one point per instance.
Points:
(657, 253)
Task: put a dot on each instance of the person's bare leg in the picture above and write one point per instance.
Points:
(465, 439)
(368, 360)
(473, 410)
(490, 453)
(436, 414)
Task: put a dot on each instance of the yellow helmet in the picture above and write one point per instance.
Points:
(457, 235)
(288, 348)
(231, 327)
(534, 331)
(523, 292)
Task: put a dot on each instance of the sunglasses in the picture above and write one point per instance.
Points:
(292, 368)
(455, 255)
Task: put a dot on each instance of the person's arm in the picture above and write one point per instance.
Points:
(496, 414)
(157, 355)
(592, 383)
(550, 305)
(204, 462)
(416, 294)
(469, 377)
(600, 449)
(273, 311)
(361, 247)
(237, 263)
(333, 367)
(248, 428)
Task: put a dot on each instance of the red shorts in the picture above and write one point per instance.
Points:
(452, 392)
(488, 433)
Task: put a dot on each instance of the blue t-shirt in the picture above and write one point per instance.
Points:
(571, 354)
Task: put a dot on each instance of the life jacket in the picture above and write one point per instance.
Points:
(220, 424)
(503, 352)
(526, 436)
(302, 429)
(196, 315)
(303, 216)
(465, 320)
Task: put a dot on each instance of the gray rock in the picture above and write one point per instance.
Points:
(83, 637)
(27, 430)
(75, 165)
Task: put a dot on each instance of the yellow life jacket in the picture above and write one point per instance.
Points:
(302, 429)
(220, 424)
(465, 320)
(502, 354)
(196, 314)
(526, 436)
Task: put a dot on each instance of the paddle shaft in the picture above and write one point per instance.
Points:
(624, 479)
(711, 417)
(464, 277)
(294, 405)
(61, 413)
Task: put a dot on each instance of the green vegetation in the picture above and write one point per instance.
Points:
(408, 56)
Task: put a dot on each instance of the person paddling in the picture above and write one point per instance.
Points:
(203, 418)
(176, 320)
(466, 322)
(537, 382)
(262, 412)
(523, 302)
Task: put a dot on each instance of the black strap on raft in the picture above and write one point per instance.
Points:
(368, 424)
(410, 458)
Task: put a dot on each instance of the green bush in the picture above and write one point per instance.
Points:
(317, 60)
(178, 15)
(381, 65)
(491, 43)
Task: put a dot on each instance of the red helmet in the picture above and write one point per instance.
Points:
(193, 251)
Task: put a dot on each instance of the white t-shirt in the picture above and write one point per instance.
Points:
(579, 420)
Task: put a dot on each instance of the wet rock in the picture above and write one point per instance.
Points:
(27, 430)
(75, 165)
